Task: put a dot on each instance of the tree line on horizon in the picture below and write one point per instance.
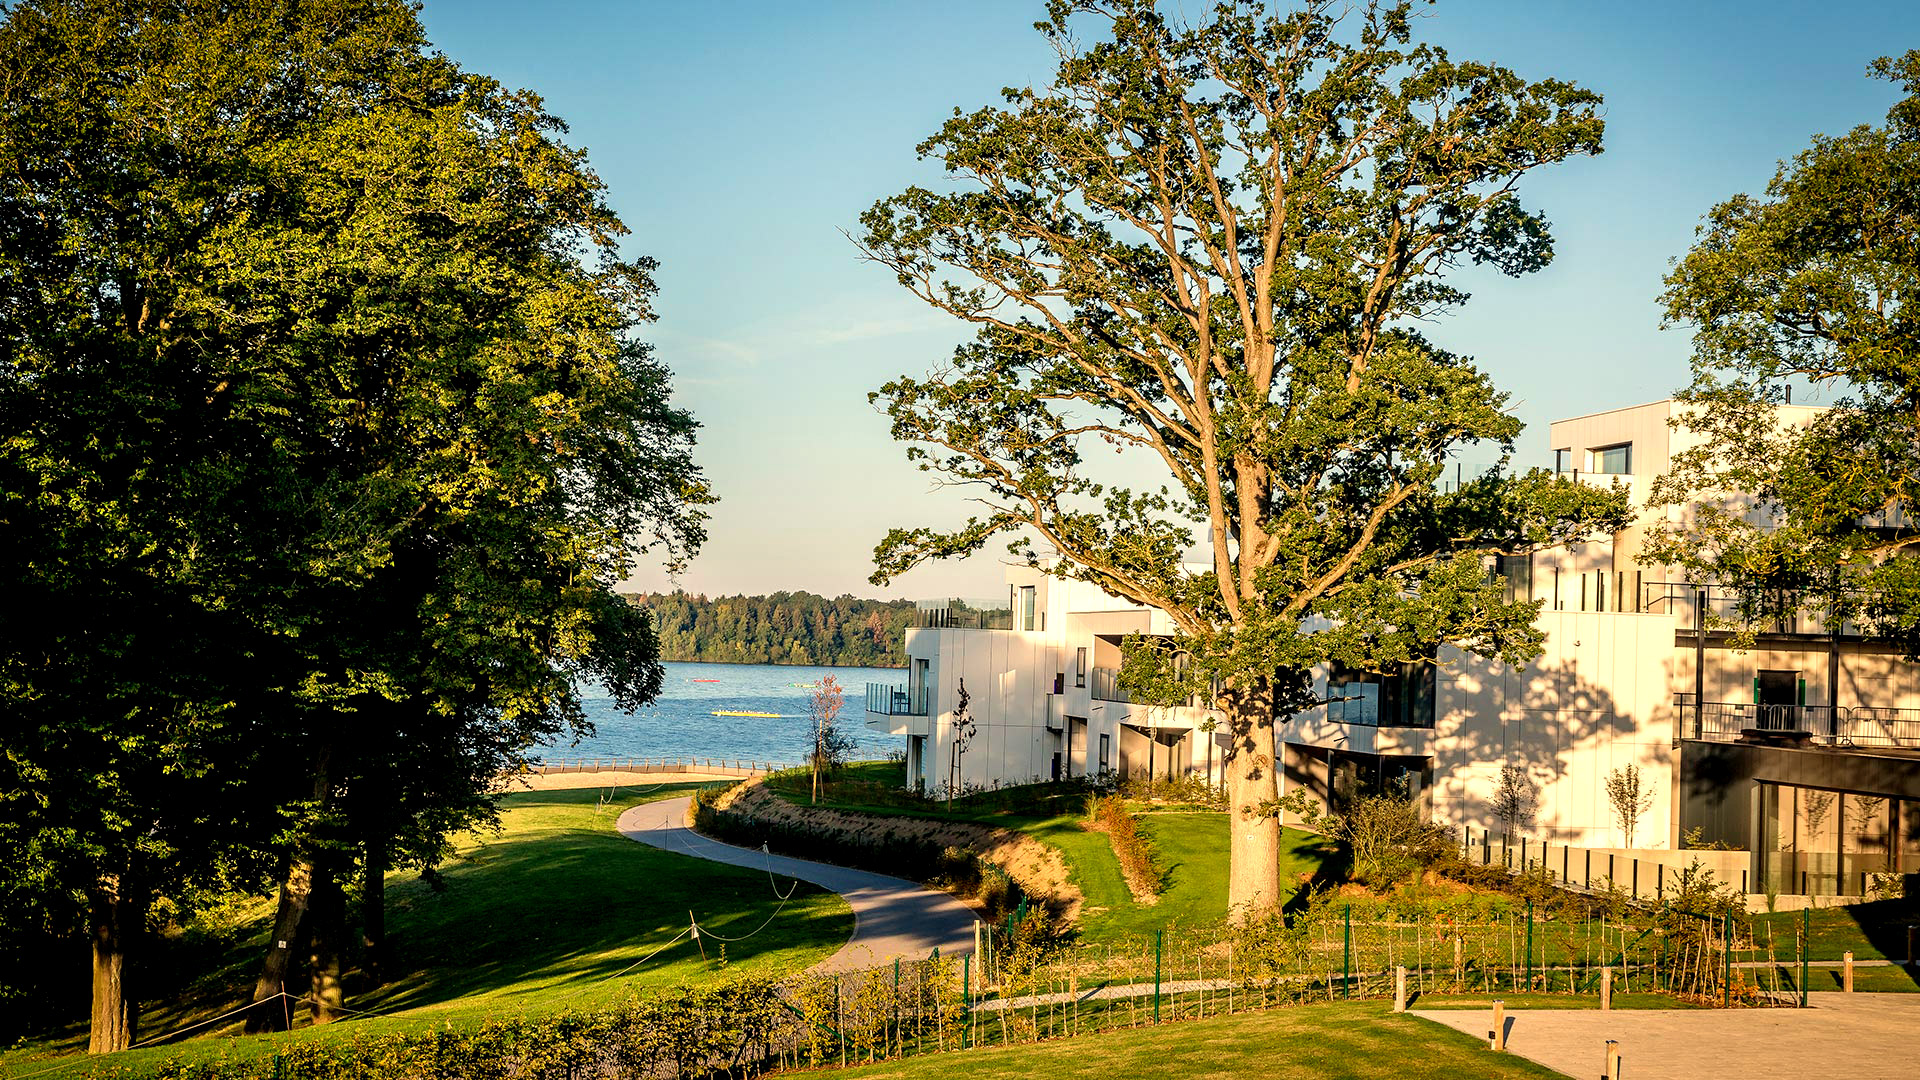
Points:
(799, 628)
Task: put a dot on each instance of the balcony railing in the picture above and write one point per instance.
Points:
(1819, 725)
(889, 700)
(952, 614)
(1106, 685)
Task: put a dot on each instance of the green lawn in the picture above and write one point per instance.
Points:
(555, 911)
(1191, 847)
(1360, 1041)
(1875, 931)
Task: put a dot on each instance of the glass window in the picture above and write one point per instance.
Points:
(1026, 607)
(1104, 743)
(1562, 461)
(1080, 667)
(1613, 460)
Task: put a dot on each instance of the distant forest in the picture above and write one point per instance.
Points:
(783, 628)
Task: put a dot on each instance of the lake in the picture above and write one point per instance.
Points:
(682, 724)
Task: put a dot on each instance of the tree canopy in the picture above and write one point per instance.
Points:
(1808, 284)
(780, 628)
(1217, 247)
(328, 439)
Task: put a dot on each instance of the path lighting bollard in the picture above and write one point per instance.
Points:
(1612, 1066)
(1846, 972)
(1400, 989)
(1498, 1037)
(1606, 989)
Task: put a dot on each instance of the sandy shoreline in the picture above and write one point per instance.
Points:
(560, 781)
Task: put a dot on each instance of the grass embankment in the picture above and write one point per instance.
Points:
(1190, 847)
(1318, 1042)
(552, 912)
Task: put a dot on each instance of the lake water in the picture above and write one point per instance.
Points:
(682, 724)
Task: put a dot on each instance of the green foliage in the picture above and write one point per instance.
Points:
(1205, 246)
(328, 437)
(1389, 838)
(780, 628)
(1808, 283)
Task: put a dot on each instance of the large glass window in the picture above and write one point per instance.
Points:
(1402, 698)
(1613, 460)
(1080, 667)
(1026, 607)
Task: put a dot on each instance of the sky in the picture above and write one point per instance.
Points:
(741, 141)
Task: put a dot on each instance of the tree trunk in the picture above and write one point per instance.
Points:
(1253, 852)
(373, 908)
(295, 893)
(327, 916)
(113, 922)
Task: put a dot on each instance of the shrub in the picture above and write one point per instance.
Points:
(1135, 852)
(1390, 839)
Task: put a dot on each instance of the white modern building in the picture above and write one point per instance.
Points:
(1808, 742)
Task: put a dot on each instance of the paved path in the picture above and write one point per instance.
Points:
(892, 917)
(1842, 1037)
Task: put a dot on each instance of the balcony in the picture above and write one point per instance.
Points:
(1106, 686)
(1859, 727)
(898, 710)
(889, 700)
(956, 614)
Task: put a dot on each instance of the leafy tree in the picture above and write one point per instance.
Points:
(1207, 246)
(1808, 283)
(1513, 799)
(328, 437)
(1630, 795)
(828, 744)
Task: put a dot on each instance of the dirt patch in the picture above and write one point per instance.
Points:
(1039, 870)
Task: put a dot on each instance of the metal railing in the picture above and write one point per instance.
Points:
(1106, 686)
(961, 615)
(1821, 725)
(889, 700)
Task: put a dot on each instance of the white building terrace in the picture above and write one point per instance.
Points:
(1803, 750)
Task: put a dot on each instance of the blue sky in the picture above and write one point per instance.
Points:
(739, 140)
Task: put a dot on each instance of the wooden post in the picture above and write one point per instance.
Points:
(1499, 1034)
(1613, 1061)
(1846, 972)
(1606, 989)
(1400, 989)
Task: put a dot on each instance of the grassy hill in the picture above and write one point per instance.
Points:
(555, 911)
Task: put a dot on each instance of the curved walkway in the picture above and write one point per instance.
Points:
(892, 917)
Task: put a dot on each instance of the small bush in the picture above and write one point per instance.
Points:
(1108, 814)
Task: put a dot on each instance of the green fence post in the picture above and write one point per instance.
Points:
(1157, 935)
(1726, 950)
(1346, 965)
(1805, 944)
(1529, 946)
(966, 1001)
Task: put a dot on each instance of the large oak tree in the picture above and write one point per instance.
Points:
(1220, 246)
(327, 440)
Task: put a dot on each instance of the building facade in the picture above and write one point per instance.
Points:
(1803, 750)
